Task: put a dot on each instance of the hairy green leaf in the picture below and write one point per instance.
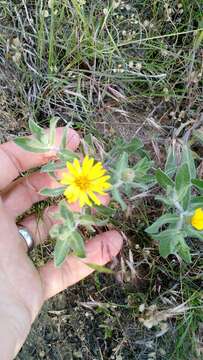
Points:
(130, 147)
(37, 130)
(183, 182)
(168, 241)
(52, 130)
(66, 213)
(91, 220)
(184, 251)
(171, 162)
(193, 233)
(121, 165)
(196, 202)
(100, 268)
(182, 178)
(165, 200)
(187, 157)
(163, 179)
(31, 145)
(52, 166)
(133, 146)
(105, 211)
(64, 138)
(117, 196)
(164, 219)
(198, 183)
(77, 244)
(142, 167)
(52, 192)
(61, 250)
(68, 155)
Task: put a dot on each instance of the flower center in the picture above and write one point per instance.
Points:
(82, 182)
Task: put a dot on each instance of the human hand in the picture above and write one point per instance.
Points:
(24, 288)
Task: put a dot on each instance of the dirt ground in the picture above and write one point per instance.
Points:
(92, 321)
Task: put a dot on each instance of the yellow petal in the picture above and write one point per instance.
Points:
(83, 199)
(72, 169)
(94, 198)
(71, 193)
(106, 186)
(100, 181)
(96, 168)
(77, 166)
(66, 179)
(197, 219)
(96, 174)
(87, 165)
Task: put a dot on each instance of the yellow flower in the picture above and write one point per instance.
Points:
(197, 219)
(84, 181)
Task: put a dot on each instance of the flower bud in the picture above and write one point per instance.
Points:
(128, 175)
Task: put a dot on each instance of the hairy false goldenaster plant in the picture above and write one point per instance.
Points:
(84, 181)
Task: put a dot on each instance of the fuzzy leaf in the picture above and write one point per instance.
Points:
(122, 164)
(198, 183)
(31, 145)
(184, 251)
(91, 220)
(37, 130)
(100, 268)
(61, 250)
(182, 178)
(131, 147)
(52, 166)
(68, 155)
(117, 196)
(77, 244)
(52, 130)
(163, 179)
(196, 202)
(142, 167)
(193, 233)
(187, 157)
(171, 162)
(164, 219)
(64, 138)
(168, 241)
(183, 185)
(52, 192)
(105, 211)
(165, 200)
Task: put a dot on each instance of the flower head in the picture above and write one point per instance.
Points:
(84, 182)
(197, 219)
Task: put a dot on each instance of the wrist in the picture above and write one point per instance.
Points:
(15, 325)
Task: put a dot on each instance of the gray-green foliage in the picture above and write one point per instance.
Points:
(124, 177)
(67, 234)
(171, 230)
(174, 227)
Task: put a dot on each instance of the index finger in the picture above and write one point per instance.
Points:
(14, 160)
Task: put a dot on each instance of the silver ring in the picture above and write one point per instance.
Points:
(24, 233)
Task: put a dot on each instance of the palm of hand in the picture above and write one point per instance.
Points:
(24, 288)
